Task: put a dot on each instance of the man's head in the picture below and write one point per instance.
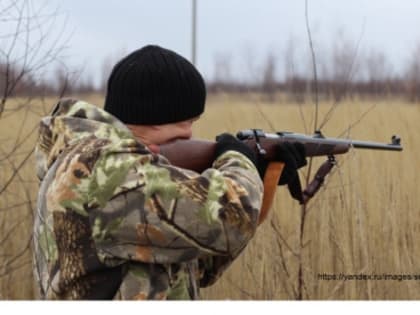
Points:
(156, 93)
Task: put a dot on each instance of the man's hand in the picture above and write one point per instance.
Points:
(226, 142)
(293, 156)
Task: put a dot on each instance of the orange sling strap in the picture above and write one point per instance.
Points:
(271, 179)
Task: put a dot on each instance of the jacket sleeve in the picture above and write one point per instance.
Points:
(163, 214)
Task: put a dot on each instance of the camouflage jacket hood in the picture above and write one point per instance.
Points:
(70, 122)
(115, 221)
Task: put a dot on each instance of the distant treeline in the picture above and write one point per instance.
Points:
(297, 88)
(375, 83)
(341, 71)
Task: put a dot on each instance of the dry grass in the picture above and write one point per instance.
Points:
(365, 221)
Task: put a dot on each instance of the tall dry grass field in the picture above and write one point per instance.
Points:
(18, 131)
(364, 222)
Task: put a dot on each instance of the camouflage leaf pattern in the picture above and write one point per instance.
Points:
(115, 221)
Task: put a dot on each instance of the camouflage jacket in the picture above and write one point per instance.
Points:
(115, 221)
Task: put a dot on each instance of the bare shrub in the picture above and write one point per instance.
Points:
(31, 40)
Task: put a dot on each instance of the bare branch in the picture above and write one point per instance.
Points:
(347, 80)
(355, 123)
(284, 240)
(314, 68)
(16, 171)
(17, 205)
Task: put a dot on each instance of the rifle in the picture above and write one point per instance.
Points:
(201, 155)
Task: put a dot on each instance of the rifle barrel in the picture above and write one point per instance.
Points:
(376, 146)
(395, 144)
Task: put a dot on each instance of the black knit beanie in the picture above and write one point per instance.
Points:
(153, 86)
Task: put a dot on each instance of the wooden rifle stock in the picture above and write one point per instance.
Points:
(195, 155)
(198, 155)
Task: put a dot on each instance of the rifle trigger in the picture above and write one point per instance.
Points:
(260, 149)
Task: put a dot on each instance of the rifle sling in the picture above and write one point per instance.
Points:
(271, 179)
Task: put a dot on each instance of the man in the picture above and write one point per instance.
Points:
(118, 221)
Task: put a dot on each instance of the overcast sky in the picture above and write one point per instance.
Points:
(243, 30)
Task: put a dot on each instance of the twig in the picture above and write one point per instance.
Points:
(232, 283)
(284, 266)
(314, 68)
(16, 205)
(347, 81)
(301, 283)
(352, 125)
(284, 240)
(16, 171)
